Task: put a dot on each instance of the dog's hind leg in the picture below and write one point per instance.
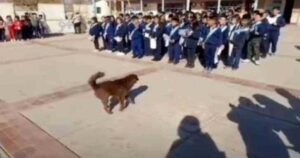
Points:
(122, 102)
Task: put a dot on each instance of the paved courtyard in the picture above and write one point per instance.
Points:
(48, 110)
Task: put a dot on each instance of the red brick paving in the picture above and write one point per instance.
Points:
(22, 138)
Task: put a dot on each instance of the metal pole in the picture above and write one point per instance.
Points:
(188, 2)
(142, 5)
(162, 5)
(219, 6)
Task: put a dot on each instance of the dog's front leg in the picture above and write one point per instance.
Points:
(107, 107)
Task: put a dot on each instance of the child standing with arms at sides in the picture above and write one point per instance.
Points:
(224, 29)
(2, 30)
(119, 37)
(234, 24)
(192, 41)
(257, 32)
(95, 32)
(18, 28)
(147, 31)
(108, 34)
(136, 38)
(10, 27)
(238, 39)
(276, 22)
(174, 46)
(212, 41)
(157, 35)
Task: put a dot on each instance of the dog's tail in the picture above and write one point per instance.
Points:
(93, 79)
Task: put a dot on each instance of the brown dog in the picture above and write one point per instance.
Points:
(118, 89)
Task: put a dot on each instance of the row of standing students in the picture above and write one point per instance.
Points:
(212, 38)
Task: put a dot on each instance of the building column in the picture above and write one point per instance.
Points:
(142, 5)
(162, 5)
(188, 2)
(219, 6)
(255, 5)
(123, 6)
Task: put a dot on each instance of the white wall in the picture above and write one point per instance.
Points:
(55, 16)
(105, 10)
(6, 9)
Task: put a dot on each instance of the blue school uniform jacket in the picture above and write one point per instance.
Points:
(175, 37)
(120, 31)
(280, 22)
(130, 27)
(137, 36)
(258, 29)
(96, 30)
(192, 40)
(168, 28)
(204, 29)
(224, 30)
(110, 30)
(239, 37)
(148, 29)
(215, 39)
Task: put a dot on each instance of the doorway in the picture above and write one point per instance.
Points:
(287, 14)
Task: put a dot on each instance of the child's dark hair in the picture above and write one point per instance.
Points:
(175, 19)
(94, 19)
(257, 12)
(276, 8)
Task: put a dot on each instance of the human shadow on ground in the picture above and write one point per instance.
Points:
(132, 96)
(192, 142)
(297, 47)
(298, 60)
(262, 125)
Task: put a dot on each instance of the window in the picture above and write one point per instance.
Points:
(98, 10)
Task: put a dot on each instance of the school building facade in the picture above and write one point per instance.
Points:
(290, 8)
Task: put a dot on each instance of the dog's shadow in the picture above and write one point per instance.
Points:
(132, 95)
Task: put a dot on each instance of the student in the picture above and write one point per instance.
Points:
(257, 32)
(108, 34)
(264, 48)
(2, 30)
(129, 28)
(192, 41)
(276, 22)
(183, 26)
(204, 29)
(17, 28)
(167, 31)
(224, 29)
(10, 27)
(149, 25)
(234, 24)
(77, 23)
(119, 37)
(95, 31)
(174, 46)
(157, 36)
(136, 38)
(212, 41)
(238, 39)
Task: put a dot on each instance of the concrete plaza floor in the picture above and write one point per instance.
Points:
(48, 110)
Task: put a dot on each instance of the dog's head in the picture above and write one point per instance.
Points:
(133, 77)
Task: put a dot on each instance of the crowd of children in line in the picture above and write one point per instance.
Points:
(26, 27)
(228, 37)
